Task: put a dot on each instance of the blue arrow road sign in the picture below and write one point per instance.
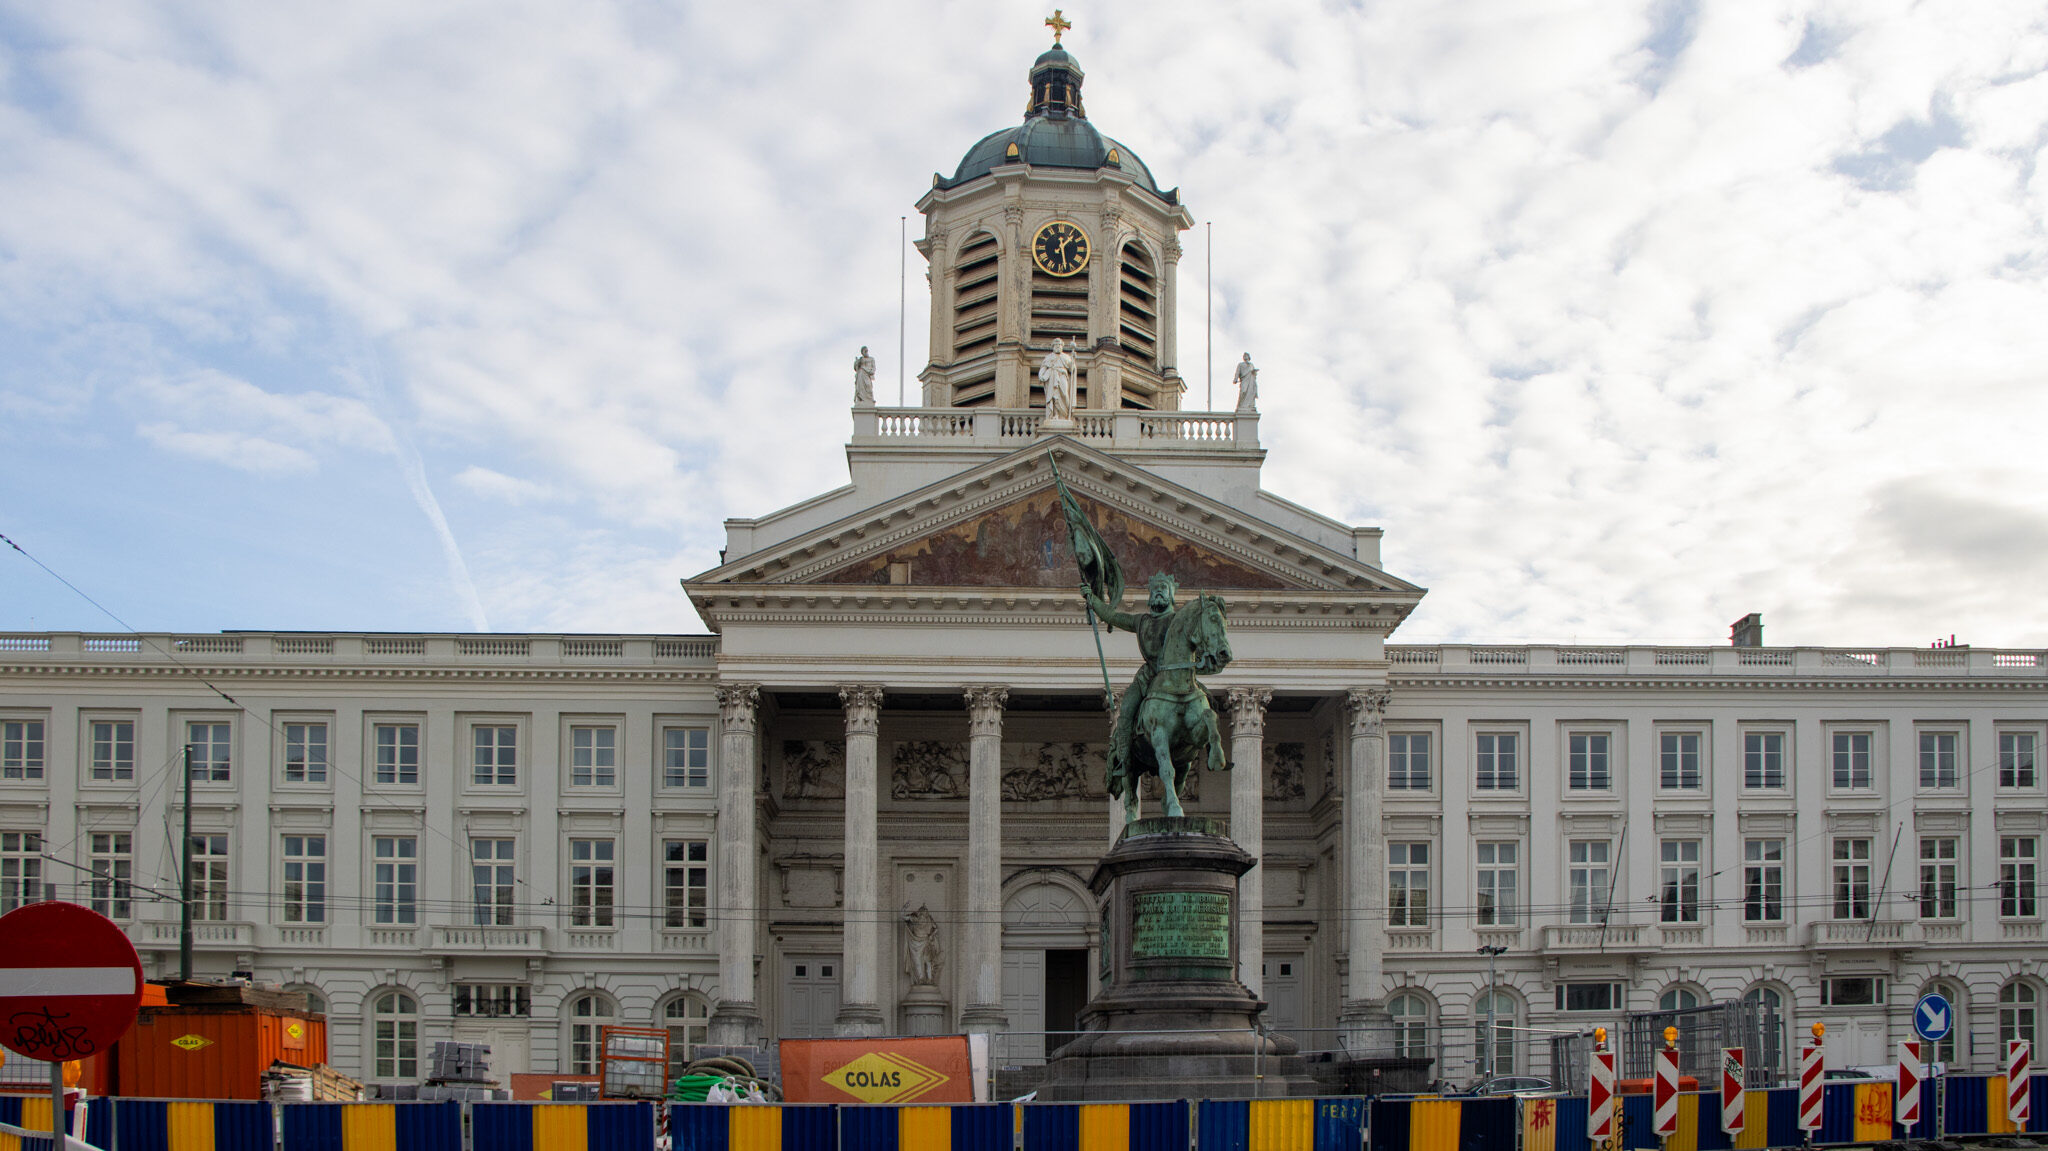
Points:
(1933, 1018)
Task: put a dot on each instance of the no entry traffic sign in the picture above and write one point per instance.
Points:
(69, 982)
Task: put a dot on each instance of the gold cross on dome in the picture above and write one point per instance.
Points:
(1058, 24)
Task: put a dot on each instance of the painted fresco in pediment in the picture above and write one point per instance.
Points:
(1024, 544)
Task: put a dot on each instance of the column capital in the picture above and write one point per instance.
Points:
(737, 705)
(1367, 707)
(863, 704)
(985, 709)
(1248, 709)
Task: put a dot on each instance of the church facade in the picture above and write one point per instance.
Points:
(899, 723)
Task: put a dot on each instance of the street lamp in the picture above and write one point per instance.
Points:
(1492, 952)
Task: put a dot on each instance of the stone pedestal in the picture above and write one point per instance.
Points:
(1172, 1021)
(924, 1011)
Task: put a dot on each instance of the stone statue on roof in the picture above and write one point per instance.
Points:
(864, 377)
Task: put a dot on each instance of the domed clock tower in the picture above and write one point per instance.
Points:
(1052, 231)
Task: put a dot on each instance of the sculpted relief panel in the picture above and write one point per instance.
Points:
(1025, 544)
(1284, 765)
(929, 769)
(1042, 771)
(813, 769)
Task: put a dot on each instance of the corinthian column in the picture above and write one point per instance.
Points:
(1365, 853)
(982, 954)
(1248, 825)
(860, 1010)
(737, 1020)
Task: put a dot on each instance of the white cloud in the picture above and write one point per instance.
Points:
(1623, 318)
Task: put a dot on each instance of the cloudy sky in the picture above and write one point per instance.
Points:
(1622, 317)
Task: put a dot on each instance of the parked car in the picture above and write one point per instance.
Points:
(1511, 1085)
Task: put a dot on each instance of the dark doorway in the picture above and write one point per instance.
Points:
(1066, 993)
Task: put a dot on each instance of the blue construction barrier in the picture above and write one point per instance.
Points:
(753, 1127)
(562, 1126)
(192, 1125)
(1089, 1126)
(1334, 1124)
(371, 1126)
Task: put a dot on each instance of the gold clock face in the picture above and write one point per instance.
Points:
(1060, 248)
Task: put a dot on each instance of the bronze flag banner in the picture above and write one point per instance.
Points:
(935, 1069)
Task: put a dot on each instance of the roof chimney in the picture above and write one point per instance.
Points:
(1747, 631)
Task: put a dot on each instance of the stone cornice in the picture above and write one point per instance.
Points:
(1731, 683)
(194, 674)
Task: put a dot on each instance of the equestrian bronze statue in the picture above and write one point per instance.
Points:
(1164, 724)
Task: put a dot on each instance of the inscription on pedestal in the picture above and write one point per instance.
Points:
(1181, 925)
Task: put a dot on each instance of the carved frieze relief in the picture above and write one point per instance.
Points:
(813, 769)
(1283, 770)
(929, 769)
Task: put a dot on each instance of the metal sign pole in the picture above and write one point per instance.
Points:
(56, 1105)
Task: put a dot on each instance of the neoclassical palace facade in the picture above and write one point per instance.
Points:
(517, 838)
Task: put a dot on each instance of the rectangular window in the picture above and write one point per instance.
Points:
(396, 877)
(1679, 756)
(1408, 761)
(1497, 762)
(21, 749)
(305, 753)
(493, 1000)
(1499, 884)
(593, 756)
(1852, 879)
(1938, 767)
(491, 879)
(1408, 884)
(1588, 754)
(210, 755)
(2018, 856)
(113, 750)
(590, 882)
(1763, 760)
(1938, 878)
(21, 869)
(686, 757)
(1855, 991)
(305, 879)
(1589, 880)
(1763, 880)
(398, 753)
(686, 881)
(495, 754)
(1589, 997)
(1852, 760)
(1678, 896)
(2016, 759)
(209, 872)
(112, 860)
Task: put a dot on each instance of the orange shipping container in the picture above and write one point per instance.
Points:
(194, 1052)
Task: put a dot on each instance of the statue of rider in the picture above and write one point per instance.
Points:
(1150, 629)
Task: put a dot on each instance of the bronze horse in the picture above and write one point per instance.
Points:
(1174, 727)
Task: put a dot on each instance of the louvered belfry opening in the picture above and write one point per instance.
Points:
(1138, 307)
(975, 280)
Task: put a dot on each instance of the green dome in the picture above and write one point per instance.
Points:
(1055, 133)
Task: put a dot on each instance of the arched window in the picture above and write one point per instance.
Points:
(2016, 1007)
(588, 1015)
(1944, 1050)
(316, 1003)
(394, 1036)
(1772, 1022)
(1411, 1025)
(1496, 1057)
(688, 1019)
(1678, 999)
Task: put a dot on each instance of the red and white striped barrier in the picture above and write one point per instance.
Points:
(1600, 1098)
(2017, 1057)
(1811, 1075)
(1666, 1092)
(1732, 1093)
(1907, 1111)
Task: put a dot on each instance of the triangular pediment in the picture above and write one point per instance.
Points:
(1000, 526)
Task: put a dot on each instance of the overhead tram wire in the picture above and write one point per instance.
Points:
(369, 789)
